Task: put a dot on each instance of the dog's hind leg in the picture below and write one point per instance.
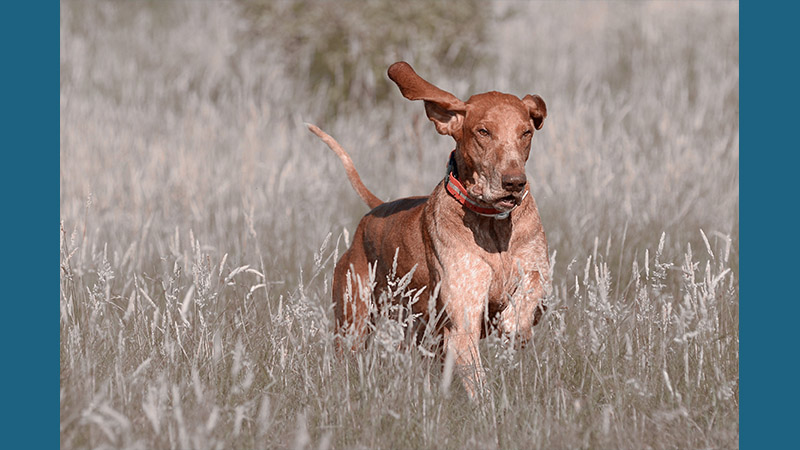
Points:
(352, 300)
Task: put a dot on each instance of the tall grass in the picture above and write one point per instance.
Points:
(201, 221)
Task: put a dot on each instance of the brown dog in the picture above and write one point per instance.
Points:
(478, 236)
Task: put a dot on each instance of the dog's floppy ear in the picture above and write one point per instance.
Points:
(537, 109)
(444, 109)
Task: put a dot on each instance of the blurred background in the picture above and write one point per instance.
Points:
(189, 115)
(184, 154)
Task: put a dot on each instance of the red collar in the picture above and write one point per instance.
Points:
(459, 192)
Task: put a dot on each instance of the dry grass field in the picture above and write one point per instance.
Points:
(200, 222)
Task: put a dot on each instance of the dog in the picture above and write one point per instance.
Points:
(477, 237)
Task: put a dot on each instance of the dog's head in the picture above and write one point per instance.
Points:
(492, 131)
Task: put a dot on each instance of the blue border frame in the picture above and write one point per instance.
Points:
(30, 36)
(769, 154)
(768, 108)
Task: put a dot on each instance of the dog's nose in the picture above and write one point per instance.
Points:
(514, 182)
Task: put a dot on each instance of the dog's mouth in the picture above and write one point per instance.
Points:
(506, 203)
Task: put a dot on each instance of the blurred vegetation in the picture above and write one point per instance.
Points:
(342, 49)
(334, 50)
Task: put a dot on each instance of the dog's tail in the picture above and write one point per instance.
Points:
(369, 198)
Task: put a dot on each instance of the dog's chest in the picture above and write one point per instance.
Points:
(512, 272)
(497, 269)
(482, 257)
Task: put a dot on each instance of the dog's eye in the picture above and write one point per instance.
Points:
(484, 132)
(526, 133)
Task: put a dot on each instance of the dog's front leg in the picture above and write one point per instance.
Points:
(461, 343)
(466, 279)
(525, 307)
